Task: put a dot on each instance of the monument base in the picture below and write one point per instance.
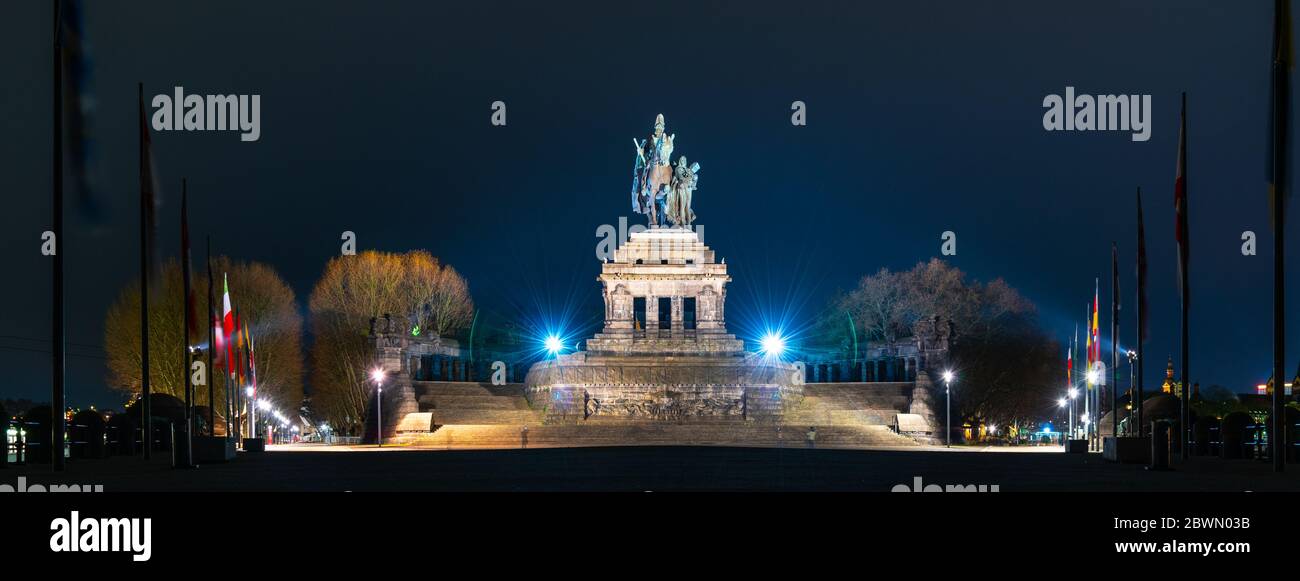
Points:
(1126, 450)
(211, 450)
(583, 386)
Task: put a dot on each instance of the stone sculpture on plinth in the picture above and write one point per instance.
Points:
(660, 190)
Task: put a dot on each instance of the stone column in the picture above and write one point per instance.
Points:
(652, 316)
(677, 323)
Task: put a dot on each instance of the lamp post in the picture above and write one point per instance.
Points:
(378, 376)
(252, 411)
(947, 396)
(1062, 403)
(1132, 386)
(1072, 392)
(1093, 409)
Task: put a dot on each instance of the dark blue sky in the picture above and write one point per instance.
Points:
(923, 117)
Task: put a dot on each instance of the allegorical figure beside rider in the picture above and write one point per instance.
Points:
(659, 190)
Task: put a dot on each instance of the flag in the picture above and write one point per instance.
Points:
(252, 363)
(218, 342)
(1279, 111)
(1180, 206)
(1069, 365)
(228, 326)
(78, 102)
(239, 348)
(214, 320)
(1087, 346)
(1096, 336)
(1141, 274)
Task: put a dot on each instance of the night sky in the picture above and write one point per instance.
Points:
(922, 117)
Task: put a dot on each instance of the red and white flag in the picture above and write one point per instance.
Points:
(227, 332)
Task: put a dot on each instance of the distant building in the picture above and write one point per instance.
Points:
(1171, 385)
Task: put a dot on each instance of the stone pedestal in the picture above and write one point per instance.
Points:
(390, 339)
(213, 449)
(922, 408)
(680, 364)
(1126, 450)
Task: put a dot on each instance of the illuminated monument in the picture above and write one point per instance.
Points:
(664, 352)
(663, 369)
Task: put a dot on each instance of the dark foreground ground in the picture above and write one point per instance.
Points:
(656, 469)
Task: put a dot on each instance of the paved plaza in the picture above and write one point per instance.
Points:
(658, 468)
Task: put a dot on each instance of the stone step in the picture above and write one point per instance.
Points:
(486, 402)
(640, 434)
(423, 388)
(442, 417)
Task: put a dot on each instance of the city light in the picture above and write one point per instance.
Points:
(1061, 402)
(377, 375)
(553, 344)
(263, 404)
(772, 345)
(947, 375)
(1074, 393)
(248, 391)
(1093, 376)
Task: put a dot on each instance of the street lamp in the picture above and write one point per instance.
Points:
(252, 411)
(1132, 385)
(378, 375)
(1061, 403)
(1093, 405)
(947, 396)
(1072, 393)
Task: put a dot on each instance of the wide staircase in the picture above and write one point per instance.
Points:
(480, 415)
(466, 403)
(855, 404)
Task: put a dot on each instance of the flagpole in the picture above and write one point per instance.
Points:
(1141, 314)
(1114, 341)
(231, 370)
(1087, 376)
(57, 345)
(1281, 111)
(1184, 404)
(212, 345)
(186, 354)
(146, 409)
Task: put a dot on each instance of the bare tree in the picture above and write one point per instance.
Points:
(442, 300)
(1007, 363)
(354, 289)
(266, 303)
